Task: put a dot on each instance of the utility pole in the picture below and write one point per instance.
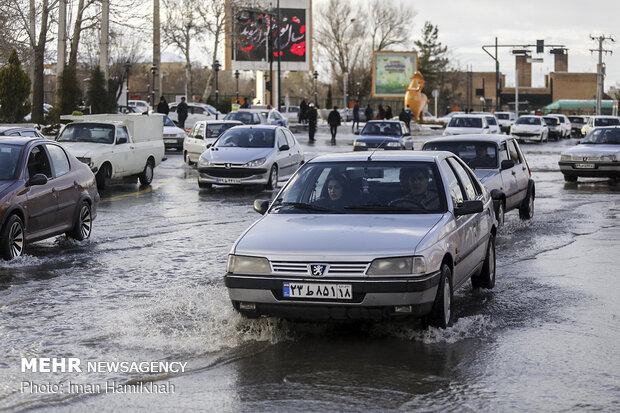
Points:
(600, 69)
(157, 91)
(517, 93)
(61, 49)
(104, 41)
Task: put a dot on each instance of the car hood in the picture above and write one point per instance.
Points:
(377, 138)
(238, 155)
(527, 128)
(593, 149)
(462, 131)
(335, 237)
(85, 149)
(173, 130)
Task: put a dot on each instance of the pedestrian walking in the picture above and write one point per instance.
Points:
(356, 116)
(388, 113)
(303, 111)
(368, 113)
(162, 106)
(380, 113)
(334, 121)
(312, 118)
(404, 117)
(182, 113)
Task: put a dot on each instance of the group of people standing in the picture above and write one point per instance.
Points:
(162, 107)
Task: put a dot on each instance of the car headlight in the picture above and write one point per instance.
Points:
(204, 162)
(398, 266)
(360, 144)
(609, 158)
(255, 162)
(241, 264)
(180, 135)
(393, 145)
(566, 157)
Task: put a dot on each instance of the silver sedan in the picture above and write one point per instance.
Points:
(250, 155)
(358, 236)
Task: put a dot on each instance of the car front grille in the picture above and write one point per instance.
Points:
(232, 172)
(526, 134)
(334, 268)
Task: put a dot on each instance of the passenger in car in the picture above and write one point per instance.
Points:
(335, 193)
(417, 180)
(482, 159)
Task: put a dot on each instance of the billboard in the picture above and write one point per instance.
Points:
(390, 70)
(252, 40)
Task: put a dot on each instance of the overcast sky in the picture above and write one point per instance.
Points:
(466, 25)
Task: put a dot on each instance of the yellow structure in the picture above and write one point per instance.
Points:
(414, 98)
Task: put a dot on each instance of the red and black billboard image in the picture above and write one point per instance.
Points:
(253, 34)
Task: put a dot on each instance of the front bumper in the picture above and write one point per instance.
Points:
(233, 176)
(372, 297)
(174, 142)
(523, 136)
(599, 169)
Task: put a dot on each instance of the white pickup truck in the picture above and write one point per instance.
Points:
(116, 146)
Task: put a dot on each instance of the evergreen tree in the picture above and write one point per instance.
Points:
(328, 101)
(432, 58)
(14, 91)
(71, 92)
(97, 94)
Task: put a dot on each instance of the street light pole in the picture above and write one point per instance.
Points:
(153, 73)
(127, 70)
(216, 67)
(315, 75)
(279, 58)
(237, 79)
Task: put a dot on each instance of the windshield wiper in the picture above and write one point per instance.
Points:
(380, 208)
(309, 207)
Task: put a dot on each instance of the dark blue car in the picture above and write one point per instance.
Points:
(383, 135)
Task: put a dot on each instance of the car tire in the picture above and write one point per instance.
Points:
(83, 225)
(526, 209)
(500, 214)
(272, 183)
(186, 158)
(441, 314)
(146, 177)
(486, 278)
(103, 176)
(205, 185)
(570, 178)
(12, 238)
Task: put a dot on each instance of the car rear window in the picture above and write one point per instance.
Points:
(606, 121)
(477, 155)
(528, 120)
(502, 116)
(608, 136)
(462, 122)
(382, 129)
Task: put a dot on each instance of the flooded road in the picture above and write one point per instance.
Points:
(148, 287)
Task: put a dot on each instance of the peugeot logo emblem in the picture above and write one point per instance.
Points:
(318, 270)
(585, 158)
(227, 166)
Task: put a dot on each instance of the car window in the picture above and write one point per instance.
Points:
(173, 109)
(168, 122)
(491, 120)
(87, 132)
(503, 152)
(197, 110)
(607, 136)
(290, 138)
(527, 120)
(247, 138)
(514, 154)
(464, 178)
(606, 122)
(29, 133)
(456, 193)
(475, 154)
(503, 116)
(122, 133)
(9, 158)
(465, 122)
(60, 162)
(38, 163)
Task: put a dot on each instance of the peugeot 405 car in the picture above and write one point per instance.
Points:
(44, 191)
(250, 155)
(499, 163)
(598, 155)
(379, 134)
(372, 237)
(531, 128)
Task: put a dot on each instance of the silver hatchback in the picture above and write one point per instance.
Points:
(358, 236)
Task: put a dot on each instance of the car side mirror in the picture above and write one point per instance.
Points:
(486, 127)
(356, 132)
(199, 137)
(121, 140)
(37, 179)
(209, 145)
(468, 208)
(507, 164)
(284, 148)
(261, 206)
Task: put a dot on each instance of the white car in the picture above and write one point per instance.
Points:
(466, 124)
(555, 129)
(173, 135)
(250, 155)
(598, 155)
(505, 120)
(531, 128)
(195, 112)
(599, 121)
(141, 105)
(202, 136)
(291, 113)
(447, 118)
(272, 116)
(564, 124)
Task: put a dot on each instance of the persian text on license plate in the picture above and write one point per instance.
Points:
(228, 180)
(585, 166)
(170, 141)
(312, 290)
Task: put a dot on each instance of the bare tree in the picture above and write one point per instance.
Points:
(213, 15)
(390, 24)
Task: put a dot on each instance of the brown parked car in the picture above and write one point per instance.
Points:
(44, 191)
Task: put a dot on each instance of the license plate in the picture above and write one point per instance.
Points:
(307, 290)
(170, 141)
(228, 180)
(585, 166)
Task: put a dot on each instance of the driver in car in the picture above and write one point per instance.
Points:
(416, 182)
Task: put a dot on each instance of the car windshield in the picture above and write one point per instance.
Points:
(9, 157)
(502, 116)
(491, 120)
(370, 187)
(528, 120)
(608, 136)
(244, 117)
(606, 121)
(87, 132)
(215, 130)
(465, 122)
(210, 109)
(478, 155)
(168, 122)
(382, 128)
(551, 121)
(575, 119)
(246, 138)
